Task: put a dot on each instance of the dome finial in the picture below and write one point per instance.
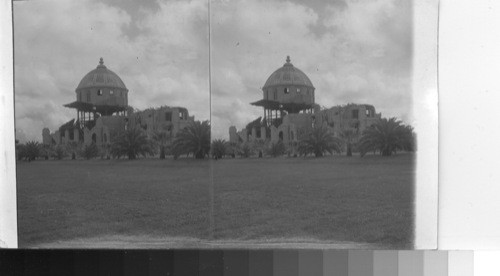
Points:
(101, 61)
(288, 59)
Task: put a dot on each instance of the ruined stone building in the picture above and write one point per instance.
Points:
(103, 112)
(290, 111)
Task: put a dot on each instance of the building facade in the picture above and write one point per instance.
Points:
(290, 112)
(103, 112)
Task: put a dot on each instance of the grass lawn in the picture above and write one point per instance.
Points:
(331, 199)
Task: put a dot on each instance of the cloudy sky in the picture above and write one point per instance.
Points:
(353, 51)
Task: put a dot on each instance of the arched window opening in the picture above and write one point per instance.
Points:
(280, 135)
(94, 138)
(355, 114)
(286, 90)
(168, 116)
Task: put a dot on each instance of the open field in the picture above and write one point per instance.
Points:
(335, 200)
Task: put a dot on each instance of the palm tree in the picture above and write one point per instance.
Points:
(387, 136)
(320, 141)
(348, 136)
(218, 148)
(194, 138)
(162, 140)
(132, 143)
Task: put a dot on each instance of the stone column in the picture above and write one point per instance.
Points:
(244, 135)
(66, 136)
(47, 139)
(233, 136)
(76, 135)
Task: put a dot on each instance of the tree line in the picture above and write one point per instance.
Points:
(386, 137)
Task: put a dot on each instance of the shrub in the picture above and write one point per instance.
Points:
(245, 150)
(218, 148)
(277, 149)
(90, 151)
(59, 152)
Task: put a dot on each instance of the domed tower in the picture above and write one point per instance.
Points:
(287, 90)
(101, 92)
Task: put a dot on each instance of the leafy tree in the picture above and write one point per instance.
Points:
(17, 149)
(348, 136)
(276, 149)
(162, 140)
(47, 151)
(194, 138)
(319, 141)
(132, 143)
(410, 143)
(232, 149)
(32, 150)
(218, 148)
(245, 150)
(90, 151)
(387, 136)
(21, 152)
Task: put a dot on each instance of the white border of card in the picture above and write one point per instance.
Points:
(425, 104)
(425, 111)
(8, 207)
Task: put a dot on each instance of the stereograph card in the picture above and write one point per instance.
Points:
(222, 124)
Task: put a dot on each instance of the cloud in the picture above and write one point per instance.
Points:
(353, 51)
(160, 51)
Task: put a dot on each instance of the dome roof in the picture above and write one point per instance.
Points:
(101, 77)
(288, 75)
